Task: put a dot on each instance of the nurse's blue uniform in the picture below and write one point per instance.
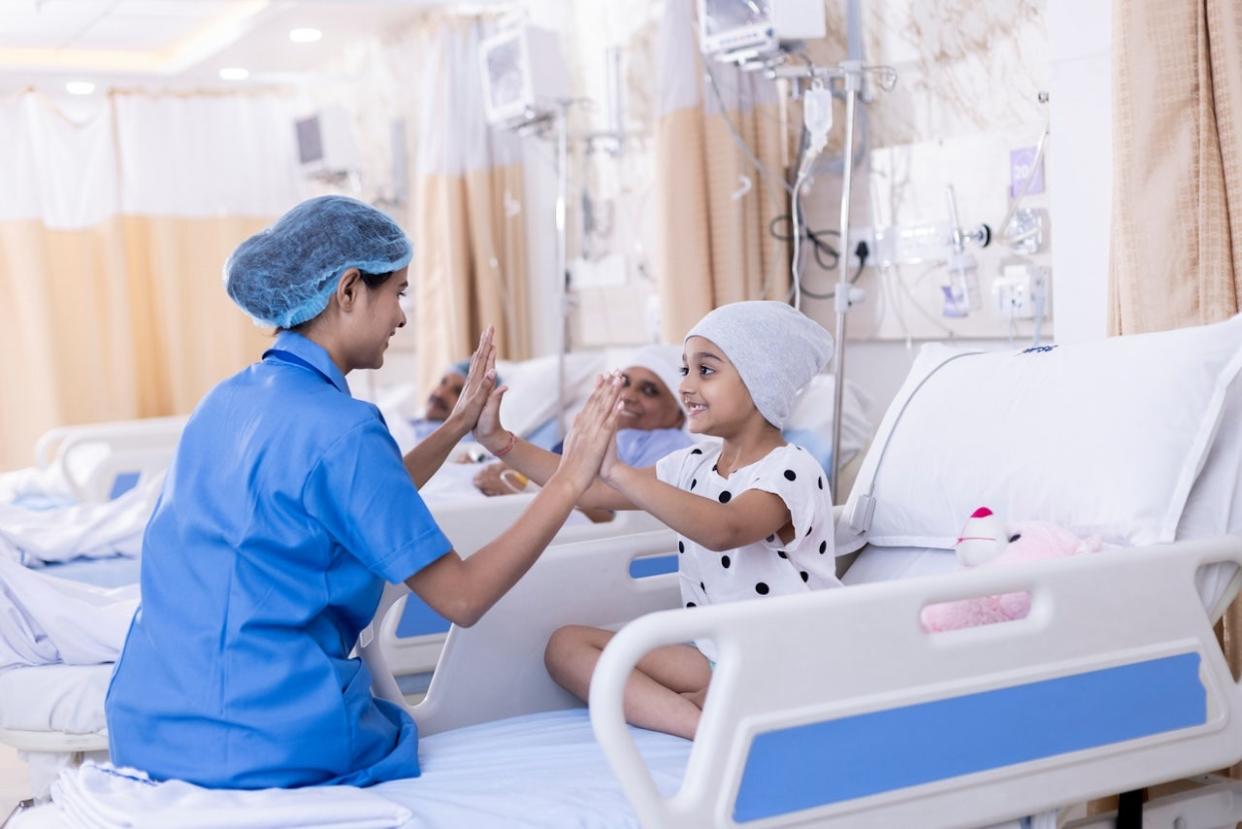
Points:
(285, 510)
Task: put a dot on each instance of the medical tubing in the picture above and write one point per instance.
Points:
(737, 136)
(820, 248)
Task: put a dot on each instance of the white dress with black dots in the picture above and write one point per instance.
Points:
(769, 567)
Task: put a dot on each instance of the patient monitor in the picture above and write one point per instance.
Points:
(745, 30)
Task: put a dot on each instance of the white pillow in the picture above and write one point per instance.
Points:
(532, 396)
(1105, 437)
(814, 408)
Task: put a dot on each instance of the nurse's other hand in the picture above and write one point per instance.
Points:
(479, 385)
(592, 433)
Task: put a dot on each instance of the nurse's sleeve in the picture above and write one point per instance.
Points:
(361, 494)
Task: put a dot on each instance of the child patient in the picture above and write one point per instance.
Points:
(752, 513)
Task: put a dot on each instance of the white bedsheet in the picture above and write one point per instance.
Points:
(542, 770)
(890, 563)
(45, 620)
(68, 699)
(86, 530)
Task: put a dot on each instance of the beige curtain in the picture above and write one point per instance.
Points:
(714, 244)
(467, 217)
(1177, 127)
(122, 319)
(1177, 202)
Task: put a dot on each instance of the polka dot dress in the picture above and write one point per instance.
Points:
(769, 567)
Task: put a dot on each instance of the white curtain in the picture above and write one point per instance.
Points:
(116, 217)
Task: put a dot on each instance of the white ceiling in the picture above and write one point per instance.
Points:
(185, 42)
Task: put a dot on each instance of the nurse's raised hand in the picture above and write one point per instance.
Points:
(479, 385)
(592, 433)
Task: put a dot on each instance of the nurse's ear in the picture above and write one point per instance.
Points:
(348, 288)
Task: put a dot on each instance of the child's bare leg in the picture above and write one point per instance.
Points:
(654, 693)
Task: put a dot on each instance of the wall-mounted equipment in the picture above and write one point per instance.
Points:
(524, 76)
(742, 31)
(326, 145)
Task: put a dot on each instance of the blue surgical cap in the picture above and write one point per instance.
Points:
(285, 275)
(463, 368)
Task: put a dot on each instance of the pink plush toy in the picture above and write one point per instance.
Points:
(986, 541)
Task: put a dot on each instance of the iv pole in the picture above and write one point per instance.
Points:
(841, 298)
(846, 295)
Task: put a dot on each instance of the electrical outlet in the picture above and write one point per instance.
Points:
(1020, 291)
(862, 234)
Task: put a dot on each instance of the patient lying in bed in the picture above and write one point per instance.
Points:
(652, 424)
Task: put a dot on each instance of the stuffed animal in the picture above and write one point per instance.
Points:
(987, 541)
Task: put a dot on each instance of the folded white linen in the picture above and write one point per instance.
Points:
(102, 796)
(45, 620)
(80, 530)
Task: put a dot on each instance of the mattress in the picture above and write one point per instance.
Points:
(891, 563)
(540, 770)
(62, 698)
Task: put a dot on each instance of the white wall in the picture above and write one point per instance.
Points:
(1080, 166)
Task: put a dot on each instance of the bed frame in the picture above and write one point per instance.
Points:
(836, 709)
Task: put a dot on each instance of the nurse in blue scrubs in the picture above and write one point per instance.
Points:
(287, 507)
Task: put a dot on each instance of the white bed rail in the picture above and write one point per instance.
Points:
(798, 675)
(91, 456)
(470, 524)
(495, 668)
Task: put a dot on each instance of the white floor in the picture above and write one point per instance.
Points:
(14, 785)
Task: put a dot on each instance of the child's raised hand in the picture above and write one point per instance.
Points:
(592, 433)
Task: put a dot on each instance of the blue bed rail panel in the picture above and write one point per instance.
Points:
(420, 620)
(647, 566)
(817, 764)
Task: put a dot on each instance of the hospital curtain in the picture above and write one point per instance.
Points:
(1177, 127)
(715, 206)
(466, 214)
(1177, 202)
(111, 249)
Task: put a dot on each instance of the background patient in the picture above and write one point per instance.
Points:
(652, 422)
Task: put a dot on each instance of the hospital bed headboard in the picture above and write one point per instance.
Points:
(101, 460)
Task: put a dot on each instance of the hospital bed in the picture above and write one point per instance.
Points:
(93, 462)
(836, 708)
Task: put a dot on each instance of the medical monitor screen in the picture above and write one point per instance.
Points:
(506, 73)
(729, 15)
(310, 141)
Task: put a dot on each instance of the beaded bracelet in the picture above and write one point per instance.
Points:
(508, 446)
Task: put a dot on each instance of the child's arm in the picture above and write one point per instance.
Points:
(752, 516)
(539, 464)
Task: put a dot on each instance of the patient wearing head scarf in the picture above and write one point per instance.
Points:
(651, 422)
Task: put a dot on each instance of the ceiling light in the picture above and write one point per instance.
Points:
(305, 35)
(79, 87)
(234, 73)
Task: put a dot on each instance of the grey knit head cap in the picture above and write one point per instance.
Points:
(775, 349)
